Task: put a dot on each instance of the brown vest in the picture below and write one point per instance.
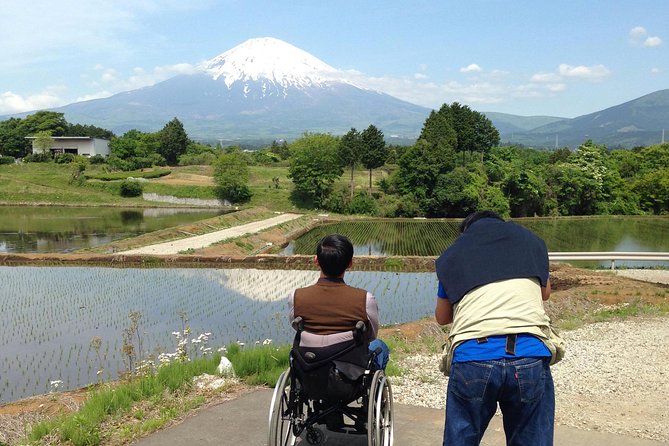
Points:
(330, 307)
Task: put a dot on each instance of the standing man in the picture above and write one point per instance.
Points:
(492, 283)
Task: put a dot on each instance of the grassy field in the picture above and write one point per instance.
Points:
(38, 183)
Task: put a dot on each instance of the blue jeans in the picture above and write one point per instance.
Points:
(522, 387)
(382, 358)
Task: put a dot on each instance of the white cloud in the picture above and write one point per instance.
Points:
(639, 37)
(652, 41)
(593, 73)
(14, 103)
(545, 77)
(471, 68)
(80, 26)
(655, 70)
(556, 87)
(420, 76)
(637, 33)
(115, 83)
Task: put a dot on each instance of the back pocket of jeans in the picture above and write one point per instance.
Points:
(468, 380)
(531, 380)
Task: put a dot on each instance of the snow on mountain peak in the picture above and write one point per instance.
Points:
(273, 59)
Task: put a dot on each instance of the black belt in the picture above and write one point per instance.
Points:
(510, 343)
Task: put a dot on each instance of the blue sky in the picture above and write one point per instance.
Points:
(527, 57)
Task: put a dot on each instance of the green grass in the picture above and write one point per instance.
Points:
(82, 428)
(112, 176)
(260, 365)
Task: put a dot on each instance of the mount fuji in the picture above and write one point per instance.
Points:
(263, 89)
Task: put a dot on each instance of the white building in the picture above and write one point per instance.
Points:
(77, 145)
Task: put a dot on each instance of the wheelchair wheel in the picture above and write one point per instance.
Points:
(380, 411)
(280, 419)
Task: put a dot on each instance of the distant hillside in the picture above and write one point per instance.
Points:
(635, 123)
(508, 124)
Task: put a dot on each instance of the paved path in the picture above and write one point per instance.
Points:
(243, 422)
(202, 241)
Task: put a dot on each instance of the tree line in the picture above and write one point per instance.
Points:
(455, 167)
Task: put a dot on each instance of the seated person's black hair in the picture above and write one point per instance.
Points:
(334, 253)
(475, 216)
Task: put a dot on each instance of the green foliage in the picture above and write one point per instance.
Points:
(315, 165)
(131, 188)
(231, 174)
(64, 158)
(43, 141)
(88, 130)
(44, 157)
(362, 203)
(172, 141)
(7, 159)
(97, 159)
(372, 148)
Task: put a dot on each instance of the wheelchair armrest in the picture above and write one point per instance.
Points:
(298, 324)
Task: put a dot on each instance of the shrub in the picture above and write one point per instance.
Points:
(7, 159)
(64, 158)
(97, 159)
(44, 157)
(362, 203)
(131, 188)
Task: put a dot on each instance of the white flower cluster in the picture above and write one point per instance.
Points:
(55, 385)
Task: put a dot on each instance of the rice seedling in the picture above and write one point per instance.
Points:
(72, 323)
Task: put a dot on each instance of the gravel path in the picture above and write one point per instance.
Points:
(202, 241)
(614, 378)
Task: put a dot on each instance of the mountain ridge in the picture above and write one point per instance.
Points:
(266, 89)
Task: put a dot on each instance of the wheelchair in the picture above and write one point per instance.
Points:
(333, 388)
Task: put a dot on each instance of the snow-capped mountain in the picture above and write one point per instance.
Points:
(263, 88)
(272, 61)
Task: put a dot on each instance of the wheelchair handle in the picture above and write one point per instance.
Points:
(298, 323)
(361, 326)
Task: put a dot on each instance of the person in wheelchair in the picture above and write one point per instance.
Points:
(329, 315)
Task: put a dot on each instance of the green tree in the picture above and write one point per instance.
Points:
(438, 129)
(12, 138)
(135, 150)
(231, 174)
(88, 130)
(43, 141)
(315, 165)
(350, 148)
(373, 150)
(173, 141)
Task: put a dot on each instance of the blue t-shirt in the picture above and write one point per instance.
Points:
(527, 346)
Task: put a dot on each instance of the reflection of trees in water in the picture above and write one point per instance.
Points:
(132, 217)
(61, 229)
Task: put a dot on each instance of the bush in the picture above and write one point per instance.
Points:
(362, 203)
(64, 158)
(44, 157)
(131, 188)
(97, 159)
(6, 160)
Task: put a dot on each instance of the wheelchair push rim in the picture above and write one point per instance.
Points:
(380, 411)
(280, 418)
